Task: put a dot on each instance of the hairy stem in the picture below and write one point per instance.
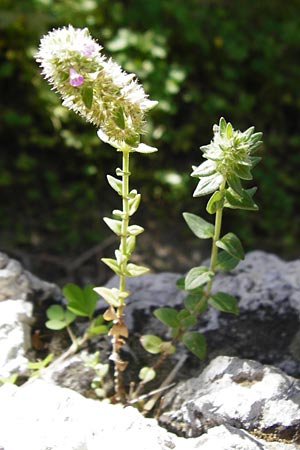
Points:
(118, 340)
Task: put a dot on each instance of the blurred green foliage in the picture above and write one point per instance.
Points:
(201, 59)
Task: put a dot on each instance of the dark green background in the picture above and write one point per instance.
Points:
(201, 60)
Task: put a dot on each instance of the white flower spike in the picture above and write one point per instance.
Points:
(92, 85)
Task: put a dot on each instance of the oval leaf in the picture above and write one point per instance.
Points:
(147, 374)
(199, 226)
(215, 202)
(167, 316)
(207, 185)
(224, 302)
(196, 277)
(55, 324)
(151, 343)
(226, 261)
(232, 245)
(196, 343)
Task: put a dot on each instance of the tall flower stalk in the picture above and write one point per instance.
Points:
(102, 93)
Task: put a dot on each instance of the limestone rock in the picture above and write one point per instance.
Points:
(17, 283)
(240, 393)
(15, 325)
(41, 416)
(19, 292)
(267, 328)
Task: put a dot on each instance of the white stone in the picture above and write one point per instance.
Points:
(15, 322)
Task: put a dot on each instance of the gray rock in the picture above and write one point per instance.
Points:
(41, 416)
(240, 393)
(15, 326)
(225, 437)
(19, 292)
(17, 283)
(267, 328)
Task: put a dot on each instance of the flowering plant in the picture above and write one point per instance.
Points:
(229, 159)
(100, 91)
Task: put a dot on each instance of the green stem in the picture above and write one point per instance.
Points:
(214, 253)
(117, 340)
(125, 218)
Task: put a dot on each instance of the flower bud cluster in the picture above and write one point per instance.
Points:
(92, 85)
(228, 156)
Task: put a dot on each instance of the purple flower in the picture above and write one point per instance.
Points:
(75, 78)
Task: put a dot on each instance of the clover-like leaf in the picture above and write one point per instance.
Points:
(80, 301)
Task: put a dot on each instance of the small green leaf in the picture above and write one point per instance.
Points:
(115, 184)
(224, 302)
(236, 201)
(186, 319)
(134, 204)
(208, 185)
(151, 343)
(222, 126)
(87, 96)
(130, 244)
(55, 312)
(196, 343)
(73, 293)
(168, 316)
(147, 374)
(232, 245)
(111, 296)
(119, 118)
(133, 270)
(199, 226)
(235, 183)
(82, 301)
(196, 277)
(135, 230)
(229, 130)
(215, 202)
(180, 283)
(112, 264)
(114, 225)
(226, 261)
(69, 317)
(205, 169)
(243, 172)
(191, 301)
(55, 324)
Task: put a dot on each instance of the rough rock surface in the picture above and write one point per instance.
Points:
(19, 292)
(19, 284)
(40, 416)
(267, 328)
(241, 393)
